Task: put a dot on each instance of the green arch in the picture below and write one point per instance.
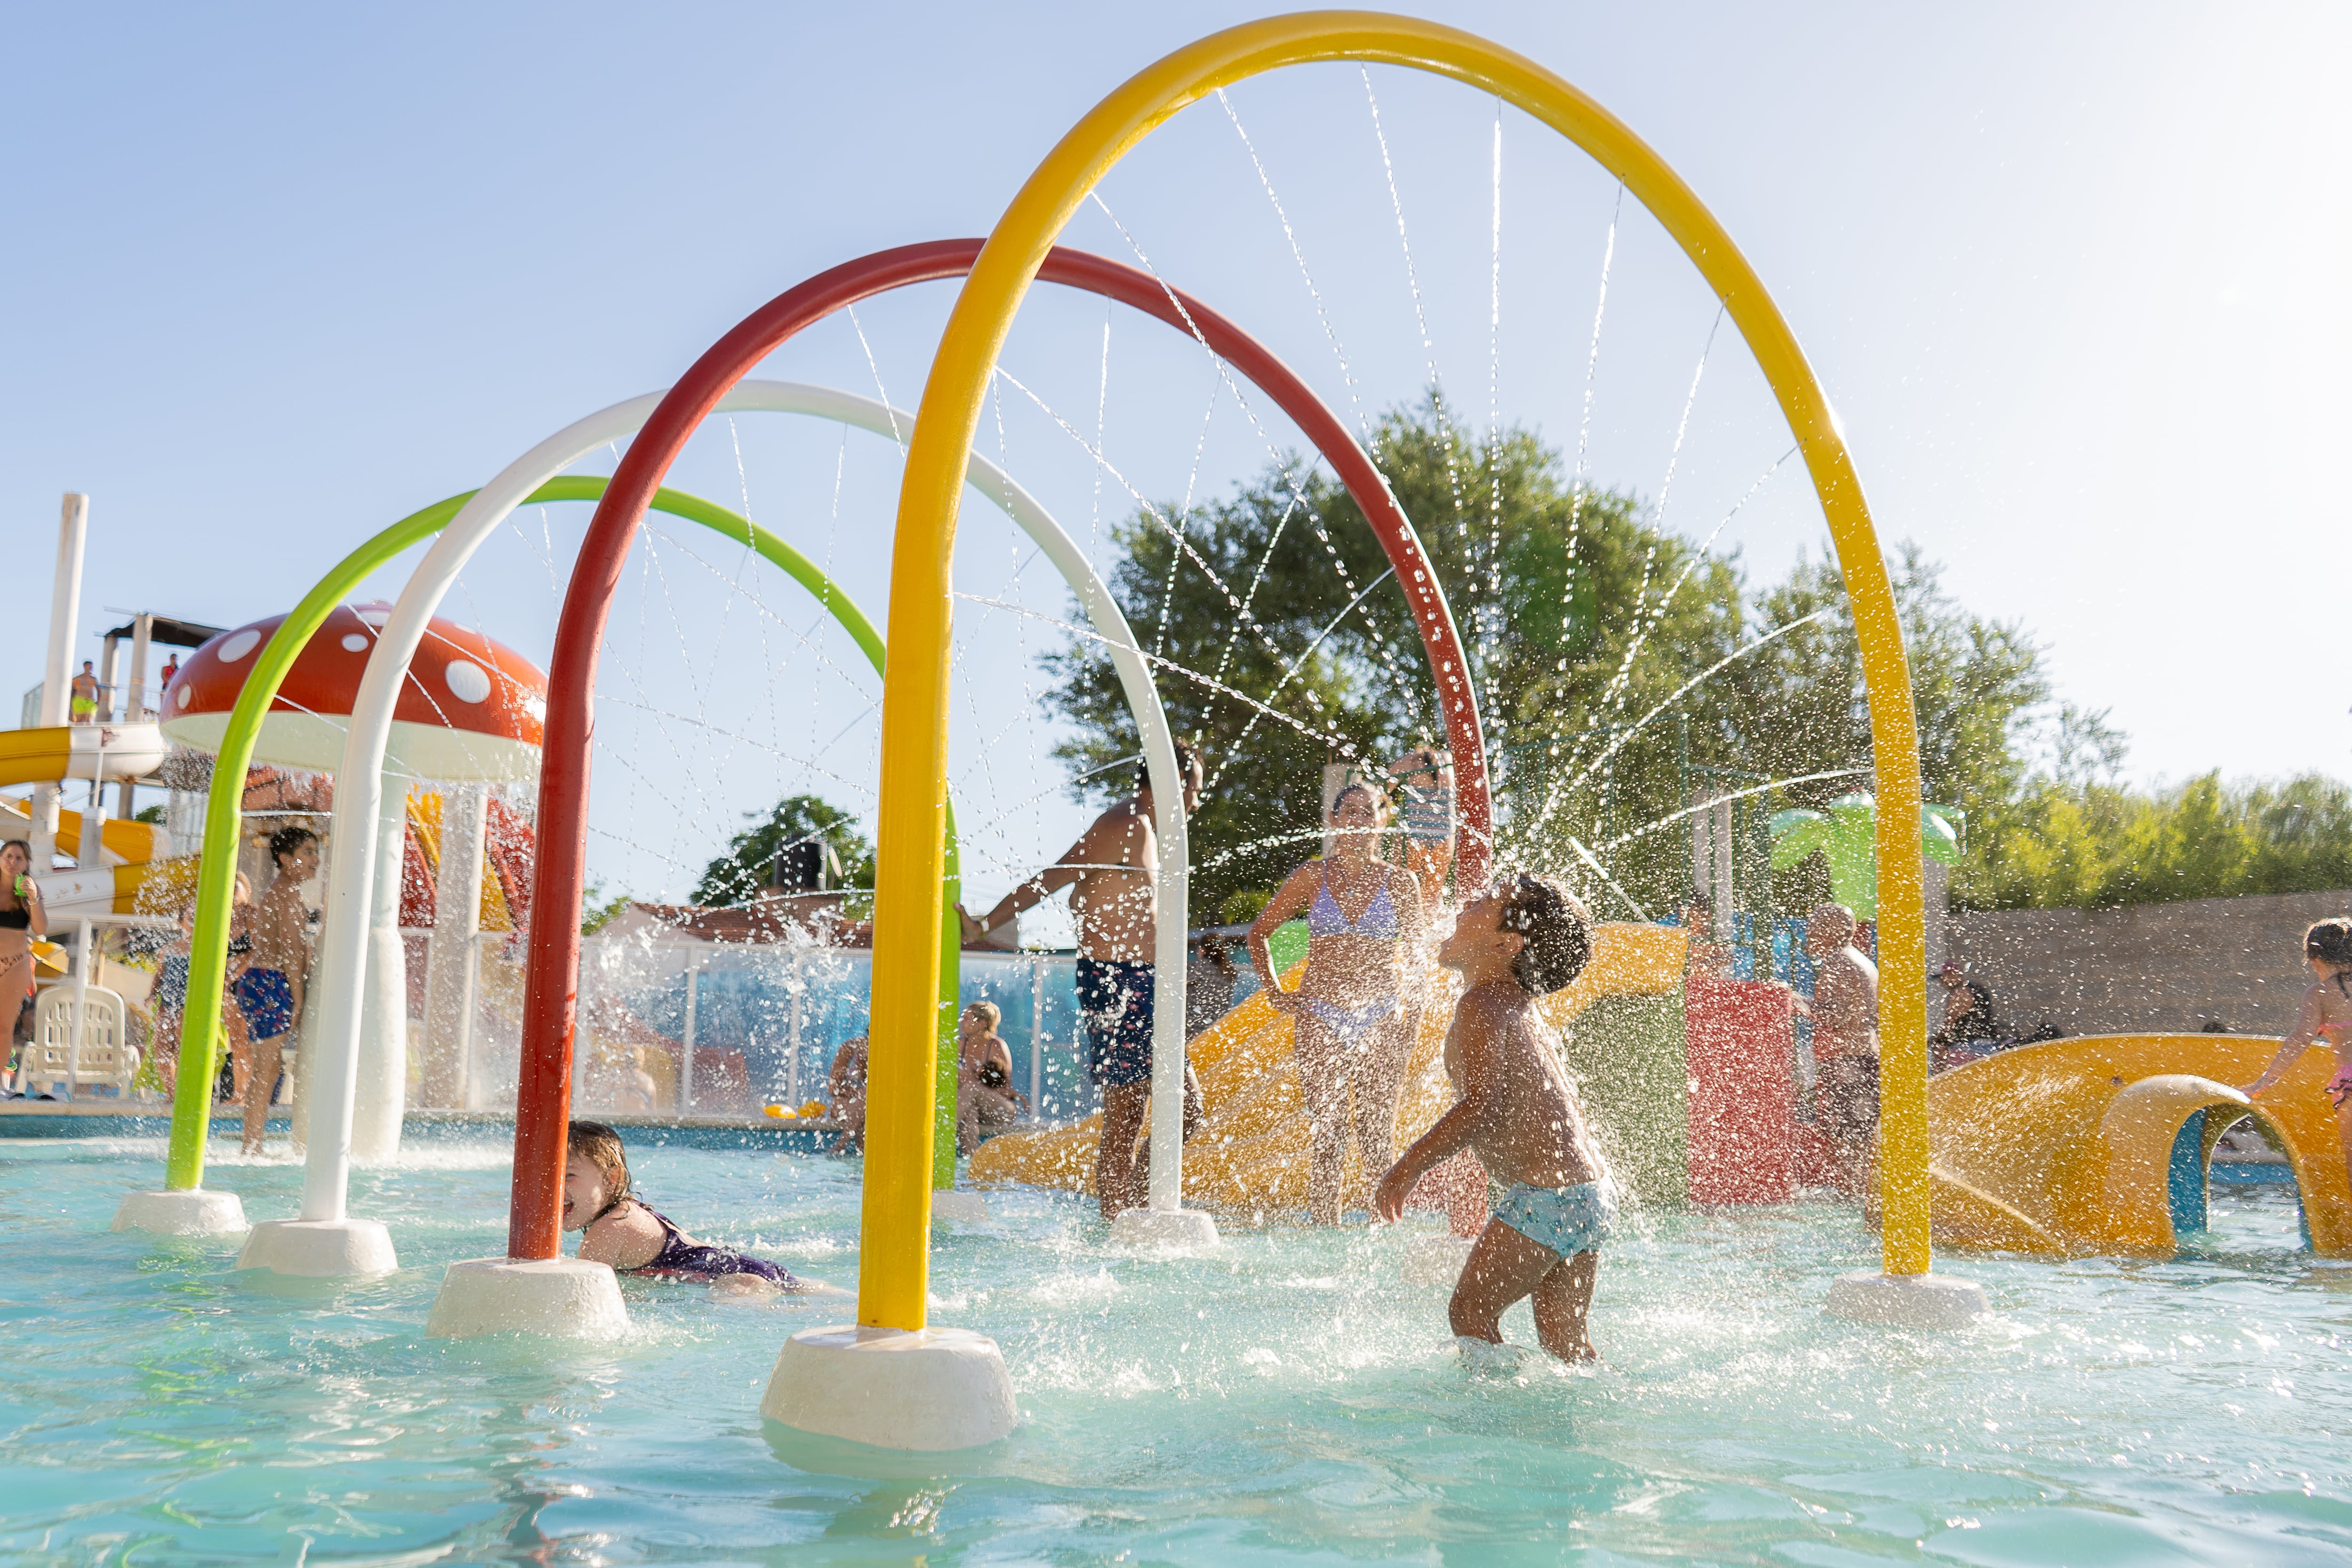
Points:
(215, 879)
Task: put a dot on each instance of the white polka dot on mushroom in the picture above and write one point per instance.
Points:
(354, 643)
(467, 681)
(238, 646)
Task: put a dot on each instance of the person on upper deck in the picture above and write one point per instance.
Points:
(1364, 963)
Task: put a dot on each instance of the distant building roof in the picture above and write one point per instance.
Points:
(164, 629)
(771, 921)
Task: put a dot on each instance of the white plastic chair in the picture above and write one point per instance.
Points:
(105, 1052)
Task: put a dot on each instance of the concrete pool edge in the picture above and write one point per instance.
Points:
(117, 1119)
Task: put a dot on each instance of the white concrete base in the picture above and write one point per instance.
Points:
(1906, 1300)
(193, 1211)
(559, 1296)
(319, 1249)
(948, 1203)
(1437, 1259)
(1163, 1229)
(932, 1390)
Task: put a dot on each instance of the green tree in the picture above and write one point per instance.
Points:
(1585, 623)
(2079, 842)
(736, 877)
(1275, 595)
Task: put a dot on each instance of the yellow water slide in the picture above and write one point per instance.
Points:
(111, 752)
(75, 751)
(1250, 1155)
(2099, 1145)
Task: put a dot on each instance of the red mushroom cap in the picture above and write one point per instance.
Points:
(470, 709)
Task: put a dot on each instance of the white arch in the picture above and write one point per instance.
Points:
(359, 818)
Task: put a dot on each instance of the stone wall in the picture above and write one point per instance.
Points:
(2146, 968)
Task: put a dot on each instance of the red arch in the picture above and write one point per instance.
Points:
(552, 967)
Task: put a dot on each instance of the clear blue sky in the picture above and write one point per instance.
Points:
(2075, 278)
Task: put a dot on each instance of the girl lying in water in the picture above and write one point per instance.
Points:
(632, 1238)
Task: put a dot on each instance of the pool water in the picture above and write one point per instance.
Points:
(1290, 1399)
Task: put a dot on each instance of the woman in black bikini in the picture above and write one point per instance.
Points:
(22, 919)
(984, 1093)
(625, 1233)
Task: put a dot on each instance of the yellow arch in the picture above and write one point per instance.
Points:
(894, 1261)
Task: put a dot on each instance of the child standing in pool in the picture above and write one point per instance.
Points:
(269, 991)
(1526, 938)
(2325, 1020)
(629, 1236)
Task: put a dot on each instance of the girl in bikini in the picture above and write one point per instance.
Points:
(22, 919)
(2325, 1020)
(1364, 958)
(625, 1233)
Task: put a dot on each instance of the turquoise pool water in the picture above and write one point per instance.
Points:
(1289, 1400)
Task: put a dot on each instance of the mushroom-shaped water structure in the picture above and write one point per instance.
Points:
(471, 709)
(469, 712)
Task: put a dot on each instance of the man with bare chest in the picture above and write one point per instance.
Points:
(1525, 938)
(1110, 872)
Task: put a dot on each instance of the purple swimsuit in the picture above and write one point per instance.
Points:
(682, 1259)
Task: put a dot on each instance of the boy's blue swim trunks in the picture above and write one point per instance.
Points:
(266, 997)
(1568, 1220)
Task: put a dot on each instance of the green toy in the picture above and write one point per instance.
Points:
(1847, 838)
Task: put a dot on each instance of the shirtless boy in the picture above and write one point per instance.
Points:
(1111, 871)
(1525, 938)
(1845, 1041)
(270, 991)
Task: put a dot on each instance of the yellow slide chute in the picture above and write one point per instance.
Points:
(2068, 1148)
(141, 884)
(1250, 1155)
(425, 821)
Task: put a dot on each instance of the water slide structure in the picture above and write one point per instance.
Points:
(129, 852)
(2103, 1144)
(1690, 1085)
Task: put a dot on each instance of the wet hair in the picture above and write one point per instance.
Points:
(287, 840)
(1187, 762)
(990, 1011)
(2330, 942)
(601, 1147)
(16, 844)
(1558, 929)
(1374, 797)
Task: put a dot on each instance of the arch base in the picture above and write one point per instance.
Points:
(559, 1297)
(183, 1211)
(951, 1202)
(319, 1249)
(929, 1390)
(1906, 1300)
(1163, 1229)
